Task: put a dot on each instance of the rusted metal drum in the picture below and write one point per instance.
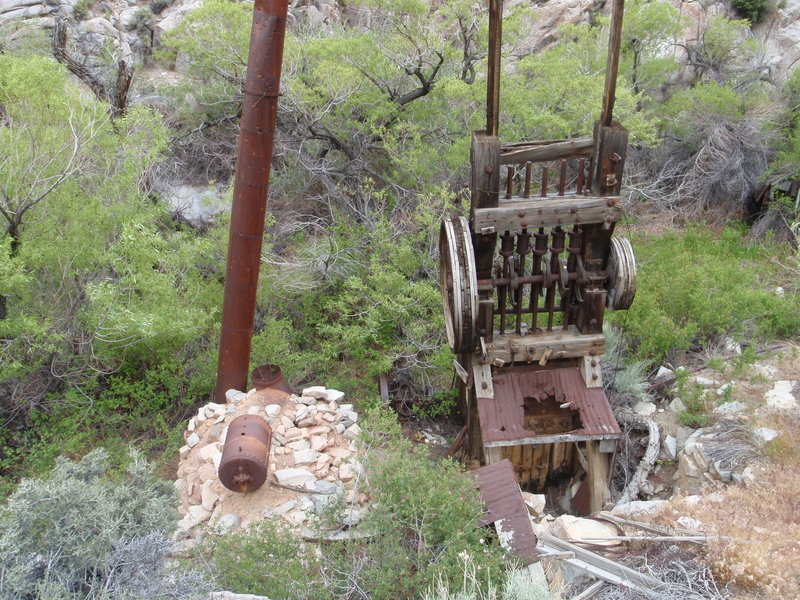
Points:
(269, 376)
(245, 458)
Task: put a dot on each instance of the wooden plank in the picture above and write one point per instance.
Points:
(554, 438)
(546, 150)
(599, 566)
(540, 466)
(591, 371)
(547, 212)
(482, 375)
(516, 461)
(485, 161)
(557, 455)
(598, 476)
(527, 463)
(608, 159)
(492, 455)
(590, 592)
(591, 312)
(530, 348)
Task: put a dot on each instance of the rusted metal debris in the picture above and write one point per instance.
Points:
(270, 377)
(245, 458)
(259, 114)
(505, 508)
(517, 391)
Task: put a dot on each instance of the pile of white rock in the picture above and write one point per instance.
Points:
(313, 462)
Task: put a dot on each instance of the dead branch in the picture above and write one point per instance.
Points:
(631, 419)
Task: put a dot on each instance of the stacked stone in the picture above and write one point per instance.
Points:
(313, 454)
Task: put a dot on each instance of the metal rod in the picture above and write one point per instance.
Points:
(523, 247)
(612, 63)
(539, 250)
(506, 251)
(509, 182)
(257, 132)
(493, 74)
(544, 181)
(527, 191)
(574, 248)
(562, 177)
(557, 247)
(581, 169)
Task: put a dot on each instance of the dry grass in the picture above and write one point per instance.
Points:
(767, 513)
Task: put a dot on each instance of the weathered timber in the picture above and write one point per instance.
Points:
(598, 473)
(482, 376)
(612, 62)
(552, 439)
(599, 566)
(608, 159)
(546, 150)
(493, 74)
(591, 312)
(561, 344)
(591, 371)
(485, 160)
(547, 212)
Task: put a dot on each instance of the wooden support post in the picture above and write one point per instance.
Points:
(485, 160)
(608, 159)
(598, 476)
(591, 371)
(591, 311)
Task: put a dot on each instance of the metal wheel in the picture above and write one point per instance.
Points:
(621, 283)
(459, 284)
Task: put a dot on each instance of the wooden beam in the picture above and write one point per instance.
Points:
(598, 476)
(482, 376)
(544, 151)
(547, 212)
(485, 161)
(591, 371)
(599, 566)
(511, 348)
(553, 439)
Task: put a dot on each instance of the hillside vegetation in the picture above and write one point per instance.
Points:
(110, 298)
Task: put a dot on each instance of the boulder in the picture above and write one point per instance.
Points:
(577, 529)
(294, 476)
(640, 508)
(762, 435)
(644, 409)
(780, 398)
(730, 408)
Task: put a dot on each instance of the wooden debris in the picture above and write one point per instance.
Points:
(599, 566)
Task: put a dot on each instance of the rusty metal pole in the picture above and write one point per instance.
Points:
(493, 74)
(612, 63)
(257, 130)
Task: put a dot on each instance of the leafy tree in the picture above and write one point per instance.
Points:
(97, 273)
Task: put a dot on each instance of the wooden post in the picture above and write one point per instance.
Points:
(493, 71)
(485, 160)
(598, 476)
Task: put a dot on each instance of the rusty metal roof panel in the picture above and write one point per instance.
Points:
(504, 506)
(502, 418)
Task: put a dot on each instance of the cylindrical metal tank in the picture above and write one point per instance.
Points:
(269, 376)
(245, 457)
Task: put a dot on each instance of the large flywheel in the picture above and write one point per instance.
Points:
(621, 282)
(459, 284)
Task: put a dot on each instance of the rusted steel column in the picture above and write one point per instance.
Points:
(612, 62)
(259, 112)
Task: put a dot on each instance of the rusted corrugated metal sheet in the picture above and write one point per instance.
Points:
(505, 508)
(502, 418)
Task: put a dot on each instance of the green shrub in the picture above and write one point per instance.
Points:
(753, 10)
(695, 286)
(268, 559)
(76, 534)
(423, 518)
